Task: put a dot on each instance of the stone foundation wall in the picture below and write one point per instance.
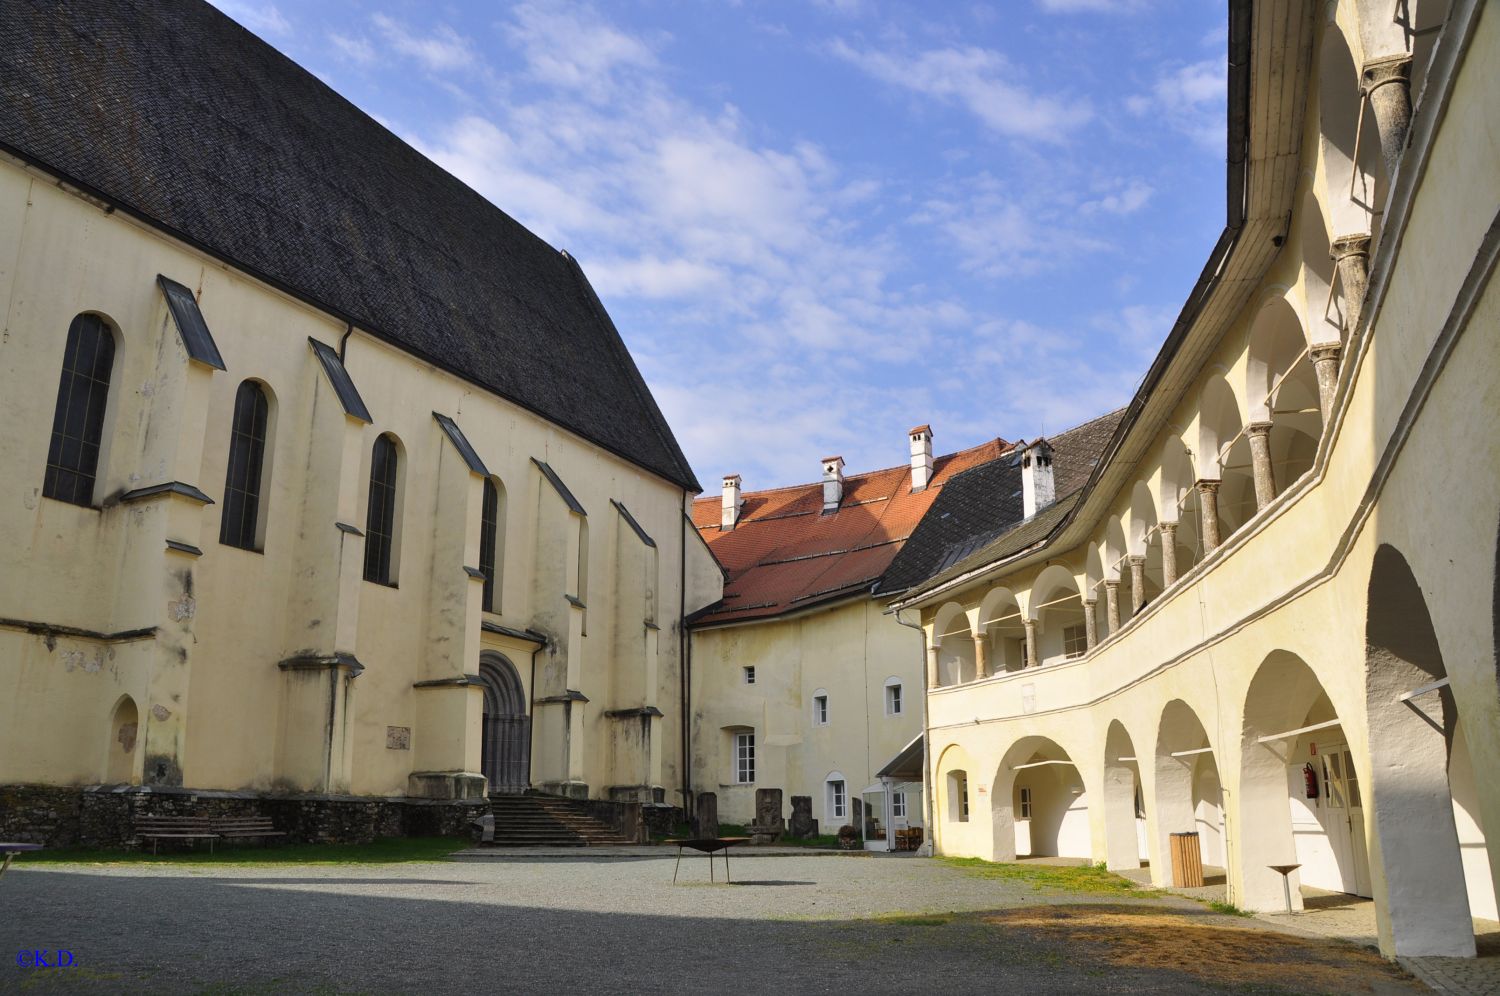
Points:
(102, 816)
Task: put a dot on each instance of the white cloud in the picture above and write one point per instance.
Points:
(355, 49)
(1190, 99)
(442, 50)
(1121, 197)
(572, 48)
(264, 19)
(981, 81)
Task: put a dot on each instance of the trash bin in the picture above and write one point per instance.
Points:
(1187, 861)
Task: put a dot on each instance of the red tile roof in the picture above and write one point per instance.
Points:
(785, 554)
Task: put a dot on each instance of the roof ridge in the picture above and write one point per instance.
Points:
(1004, 447)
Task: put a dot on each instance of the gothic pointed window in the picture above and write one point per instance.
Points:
(78, 421)
(380, 521)
(489, 545)
(240, 525)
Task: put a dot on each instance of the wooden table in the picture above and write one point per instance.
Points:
(10, 850)
(708, 845)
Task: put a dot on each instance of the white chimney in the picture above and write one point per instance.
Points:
(921, 457)
(833, 482)
(730, 514)
(1037, 487)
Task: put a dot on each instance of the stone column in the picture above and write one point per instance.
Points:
(1031, 658)
(1325, 358)
(1208, 510)
(1259, 436)
(1137, 582)
(1168, 554)
(1112, 605)
(1091, 622)
(981, 657)
(1351, 254)
(1387, 82)
(932, 666)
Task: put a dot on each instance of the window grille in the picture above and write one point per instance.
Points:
(78, 421)
(380, 522)
(488, 531)
(240, 524)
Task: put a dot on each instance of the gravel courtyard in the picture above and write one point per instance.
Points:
(787, 924)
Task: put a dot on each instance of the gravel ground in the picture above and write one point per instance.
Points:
(788, 924)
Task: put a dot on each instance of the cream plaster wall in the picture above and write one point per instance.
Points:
(216, 710)
(849, 650)
(1254, 636)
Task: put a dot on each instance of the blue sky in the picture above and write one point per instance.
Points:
(818, 224)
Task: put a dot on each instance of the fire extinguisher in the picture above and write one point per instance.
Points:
(1310, 777)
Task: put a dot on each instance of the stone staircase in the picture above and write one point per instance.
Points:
(548, 821)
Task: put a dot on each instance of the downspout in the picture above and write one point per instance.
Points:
(685, 661)
(929, 787)
(344, 341)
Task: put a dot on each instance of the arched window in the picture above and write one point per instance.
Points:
(78, 422)
(380, 521)
(491, 543)
(240, 525)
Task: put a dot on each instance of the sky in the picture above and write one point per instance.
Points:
(820, 223)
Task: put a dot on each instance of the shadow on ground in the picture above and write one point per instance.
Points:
(223, 934)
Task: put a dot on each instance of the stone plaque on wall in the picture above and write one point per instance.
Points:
(398, 738)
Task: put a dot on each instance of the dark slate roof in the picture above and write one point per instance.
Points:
(978, 516)
(173, 113)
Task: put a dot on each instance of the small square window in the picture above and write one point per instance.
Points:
(893, 700)
(820, 710)
(749, 673)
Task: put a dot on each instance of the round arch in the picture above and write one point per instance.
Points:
(1124, 805)
(505, 733)
(1003, 630)
(953, 636)
(120, 767)
(1188, 795)
(1038, 804)
(1420, 776)
(1056, 605)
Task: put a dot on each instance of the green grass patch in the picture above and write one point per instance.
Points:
(732, 830)
(394, 850)
(1062, 878)
(914, 920)
(1228, 909)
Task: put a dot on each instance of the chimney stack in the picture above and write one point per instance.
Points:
(1037, 487)
(833, 482)
(730, 513)
(921, 457)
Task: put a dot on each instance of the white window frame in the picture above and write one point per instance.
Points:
(898, 805)
(1075, 641)
(747, 674)
(838, 799)
(893, 696)
(820, 707)
(744, 757)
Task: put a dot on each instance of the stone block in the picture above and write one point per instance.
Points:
(802, 824)
(706, 822)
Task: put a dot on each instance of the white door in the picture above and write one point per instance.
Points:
(1344, 819)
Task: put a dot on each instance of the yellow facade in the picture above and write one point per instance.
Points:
(282, 669)
(1320, 688)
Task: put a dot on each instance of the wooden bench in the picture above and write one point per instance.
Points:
(190, 828)
(237, 828)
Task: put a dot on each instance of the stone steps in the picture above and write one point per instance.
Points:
(548, 821)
